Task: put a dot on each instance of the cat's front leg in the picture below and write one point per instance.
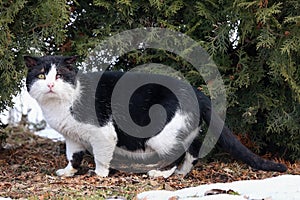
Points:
(75, 152)
(103, 157)
(103, 149)
(68, 171)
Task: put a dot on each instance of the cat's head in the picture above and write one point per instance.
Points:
(51, 77)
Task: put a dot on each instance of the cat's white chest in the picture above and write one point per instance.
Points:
(57, 115)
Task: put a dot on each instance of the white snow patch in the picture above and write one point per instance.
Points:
(277, 188)
(50, 133)
(26, 105)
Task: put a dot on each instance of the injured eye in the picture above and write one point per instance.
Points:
(58, 76)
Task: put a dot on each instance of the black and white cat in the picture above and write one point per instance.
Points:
(54, 83)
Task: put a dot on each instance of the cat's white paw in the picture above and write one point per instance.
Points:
(67, 172)
(158, 173)
(102, 172)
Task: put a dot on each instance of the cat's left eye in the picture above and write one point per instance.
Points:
(41, 76)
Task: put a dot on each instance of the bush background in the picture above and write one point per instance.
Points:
(260, 68)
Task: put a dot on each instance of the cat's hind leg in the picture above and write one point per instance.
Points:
(191, 158)
(166, 173)
(184, 164)
(75, 154)
(187, 165)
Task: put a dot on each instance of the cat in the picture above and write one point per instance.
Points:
(63, 96)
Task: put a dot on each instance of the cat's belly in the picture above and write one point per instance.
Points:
(161, 150)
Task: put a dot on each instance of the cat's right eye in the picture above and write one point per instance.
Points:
(41, 76)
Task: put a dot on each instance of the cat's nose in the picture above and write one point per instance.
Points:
(50, 85)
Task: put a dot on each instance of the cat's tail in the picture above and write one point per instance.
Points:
(230, 143)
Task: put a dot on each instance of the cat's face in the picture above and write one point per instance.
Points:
(51, 78)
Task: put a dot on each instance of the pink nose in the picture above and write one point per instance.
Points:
(50, 85)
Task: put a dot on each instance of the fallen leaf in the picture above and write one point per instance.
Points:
(153, 183)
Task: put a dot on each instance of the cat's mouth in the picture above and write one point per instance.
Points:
(50, 92)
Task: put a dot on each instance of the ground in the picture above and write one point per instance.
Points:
(28, 164)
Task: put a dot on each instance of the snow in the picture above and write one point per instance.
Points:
(48, 132)
(26, 105)
(285, 187)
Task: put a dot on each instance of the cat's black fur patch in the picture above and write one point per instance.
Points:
(77, 159)
(140, 103)
(194, 149)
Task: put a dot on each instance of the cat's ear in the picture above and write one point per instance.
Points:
(70, 59)
(31, 61)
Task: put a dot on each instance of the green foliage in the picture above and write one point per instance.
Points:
(269, 70)
(260, 67)
(25, 27)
